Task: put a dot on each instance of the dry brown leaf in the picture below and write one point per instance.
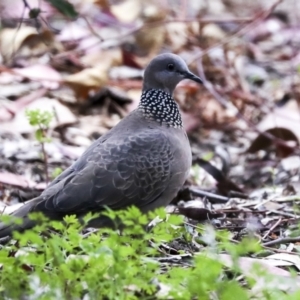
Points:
(40, 43)
(16, 180)
(284, 124)
(213, 31)
(177, 35)
(12, 40)
(151, 38)
(93, 78)
(87, 80)
(8, 109)
(20, 124)
(287, 117)
(48, 77)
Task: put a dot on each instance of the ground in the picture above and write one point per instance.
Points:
(83, 63)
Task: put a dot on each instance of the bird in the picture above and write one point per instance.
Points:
(143, 161)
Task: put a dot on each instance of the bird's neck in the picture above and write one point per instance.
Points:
(158, 105)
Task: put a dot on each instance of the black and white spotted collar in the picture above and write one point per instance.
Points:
(159, 106)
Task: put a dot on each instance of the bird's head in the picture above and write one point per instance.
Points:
(165, 71)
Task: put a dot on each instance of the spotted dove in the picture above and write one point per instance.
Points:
(142, 161)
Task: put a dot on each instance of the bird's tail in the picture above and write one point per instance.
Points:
(22, 212)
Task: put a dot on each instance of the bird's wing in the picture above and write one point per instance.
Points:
(132, 171)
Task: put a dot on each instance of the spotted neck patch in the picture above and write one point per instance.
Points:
(159, 106)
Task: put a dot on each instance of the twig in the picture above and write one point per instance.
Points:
(283, 241)
(45, 157)
(287, 198)
(272, 228)
(214, 198)
(281, 213)
(94, 32)
(26, 5)
(279, 250)
(3, 210)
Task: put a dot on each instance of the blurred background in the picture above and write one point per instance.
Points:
(71, 70)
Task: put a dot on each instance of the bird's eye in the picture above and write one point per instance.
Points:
(170, 67)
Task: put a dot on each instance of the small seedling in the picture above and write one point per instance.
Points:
(41, 120)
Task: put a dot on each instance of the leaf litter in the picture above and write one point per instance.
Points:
(243, 123)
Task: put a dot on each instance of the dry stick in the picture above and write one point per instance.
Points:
(3, 210)
(281, 213)
(212, 197)
(26, 5)
(272, 228)
(45, 157)
(282, 241)
(92, 30)
(287, 198)
(279, 250)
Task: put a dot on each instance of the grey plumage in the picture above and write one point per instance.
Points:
(142, 161)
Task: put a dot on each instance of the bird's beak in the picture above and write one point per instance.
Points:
(191, 76)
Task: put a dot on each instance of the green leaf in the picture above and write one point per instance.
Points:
(65, 7)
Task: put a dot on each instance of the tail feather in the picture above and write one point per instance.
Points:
(22, 212)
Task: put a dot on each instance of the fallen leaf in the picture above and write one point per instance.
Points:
(26, 41)
(126, 11)
(178, 35)
(284, 124)
(20, 124)
(285, 259)
(151, 38)
(11, 39)
(9, 109)
(48, 77)
(16, 180)
(93, 78)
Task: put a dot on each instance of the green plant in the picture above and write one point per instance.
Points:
(57, 171)
(41, 120)
(132, 263)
